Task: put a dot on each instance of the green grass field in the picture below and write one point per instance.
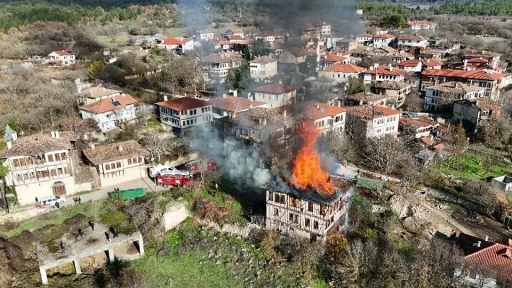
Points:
(116, 41)
(470, 165)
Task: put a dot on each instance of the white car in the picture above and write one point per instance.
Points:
(165, 170)
(52, 201)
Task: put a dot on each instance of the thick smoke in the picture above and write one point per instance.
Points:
(241, 164)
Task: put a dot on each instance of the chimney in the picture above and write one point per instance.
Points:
(235, 93)
(486, 238)
(120, 148)
(280, 81)
(57, 134)
(15, 135)
(477, 244)
(52, 134)
(264, 121)
(9, 144)
(224, 95)
(317, 106)
(390, 67)
(284, 113)
(465, 64)
(165, 98)
(92, 146)
(250, 106)
(508, 253)
(376, 65)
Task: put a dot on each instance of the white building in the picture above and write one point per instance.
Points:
(110, 112)
(61, 58)
(275, 94)
(412, 66)
(205, 35)
(364, 38)
(94, 94)
(41, 165)
(383, 73)
(183, 113)
(325, 28)
(118, 163)
(341, 72)
(382, 40)
(450, 92)
(412, 40)
(218, 64)
(178, 43)
(372, 121)
(422, 25)
(263, 67)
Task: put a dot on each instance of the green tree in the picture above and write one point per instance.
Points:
(356, 85)
(240, 77)
(95, 69)
(259, 48)
(394, 21)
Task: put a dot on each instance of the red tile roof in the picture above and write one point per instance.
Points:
(345, 68)
(370, 112)
(312, 110)
(298, 52)
(409, 63)
(476, 74)
(384, 36)
(107, 104)
(234, 104)
(234, 37)
(427, 140)
(62, 53)
(181, 104)
(420, 22)
(264, 60)
(490, 254)
(418, 122)
(365, 35)
(386, 70)
(431, 63)
(223, 57)
(477, 60)
(412, 37)
(275, 88)
(176, 41)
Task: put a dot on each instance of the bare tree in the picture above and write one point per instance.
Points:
(386, 154)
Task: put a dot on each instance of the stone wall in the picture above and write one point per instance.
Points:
(174, 214)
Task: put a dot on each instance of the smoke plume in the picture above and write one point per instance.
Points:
(241, 164)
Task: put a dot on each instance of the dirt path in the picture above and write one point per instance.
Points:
(448, 218)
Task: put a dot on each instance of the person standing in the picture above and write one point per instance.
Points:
(62, 248)
(91, 223)
(108, 237)
(79, 200)
(82, 233)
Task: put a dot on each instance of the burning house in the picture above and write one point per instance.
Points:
(308, 201)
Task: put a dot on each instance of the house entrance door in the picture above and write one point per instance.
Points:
(59, 188)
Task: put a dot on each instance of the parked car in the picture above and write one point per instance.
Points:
(52, 201)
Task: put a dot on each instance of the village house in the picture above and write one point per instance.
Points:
(322, 83)
(230, 32)
(275, 94)
(332, 58)
(231, 105)
(306, 213)
(205, 35)
(94, 94)
(263, 67)
(183, 113)
(341, 72)
(110, 112)
(364, 39)
(412, 66)
(448, 92)
(327, 118)
(493, 256)
(431, 64)
(365, 98)
(382, 40)
(375, 31)
(422, 25)
(395, 92)
(475, 110)
(148, 40)
(412, 40)
(504, 183)
(346, 44)
(222, 45)
(218, 65)
(269, 37)
(419, 127)
(493, 59)
(491, 81)
(41, 165)
(117, 163)
(383, 73)
(61, 58)
(293, 56)
(372, 121)
(178, 44)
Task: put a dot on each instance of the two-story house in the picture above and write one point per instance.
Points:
(365, 98)
(448, 92)
(372, 121)
(275, 94)
(94, 94)
(61, 58)
(293, 56)
(382, 40)
(184, 113)
(341, 72)
(118, 163)
(364, 39)
(383, 73)
(263, 67)
(110, 112)
(419, 127)
(218, 65)
(178, 44)
(422, 25)
(41, 165)
(238, 32)
(395, 92)
(327, 118)
(412, 40)
(375, 31)
(431, 64)
(205, 35)
(231, 105)
(491, 81)
(411, 66)
(333, 58)
(476, 110)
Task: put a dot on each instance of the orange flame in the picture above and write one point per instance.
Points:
(307, 171)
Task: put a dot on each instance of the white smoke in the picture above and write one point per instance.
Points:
(243, 165)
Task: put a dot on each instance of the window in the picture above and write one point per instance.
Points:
(322, 210)
(129, 161)
(310, 206)
(107, 166)
(290, 218)
(53, 172)
(307, 222)
(16, 162)
(283, 199)
(276, 197)
(60, 171)
(270, 196)
(57, 157)
(118, 164)
(50, 158)
(315, 225)
(276, 212)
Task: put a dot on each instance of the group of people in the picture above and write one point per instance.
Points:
(77, 200)
(82, 234)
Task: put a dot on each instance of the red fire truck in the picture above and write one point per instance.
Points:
(174, 180)
(199, 166)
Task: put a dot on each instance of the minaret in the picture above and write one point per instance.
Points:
(318, 55)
